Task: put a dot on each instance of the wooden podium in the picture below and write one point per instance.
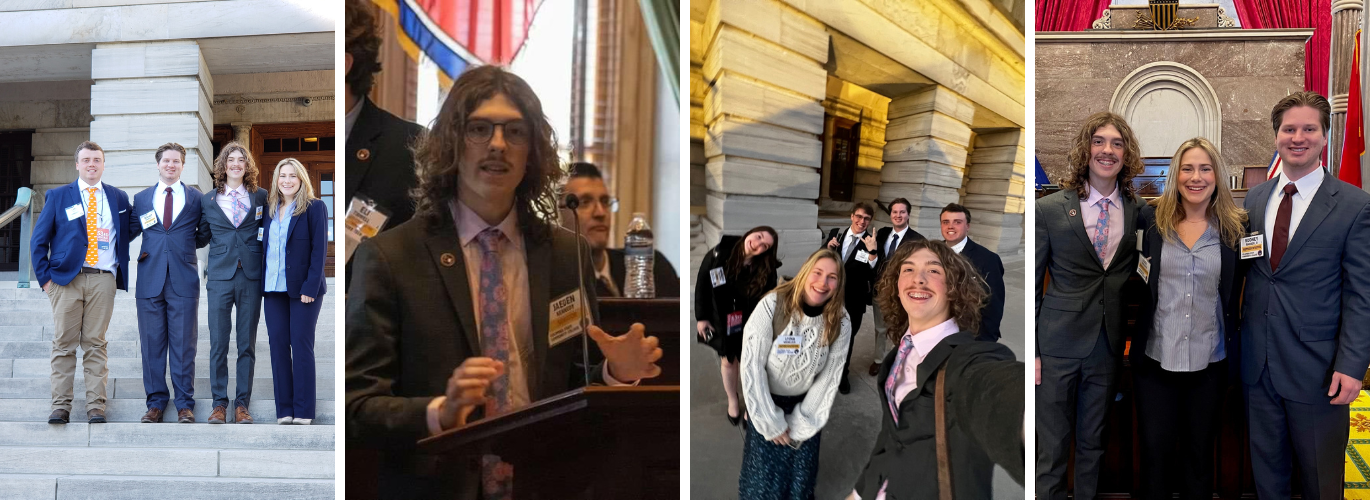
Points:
(594, 442)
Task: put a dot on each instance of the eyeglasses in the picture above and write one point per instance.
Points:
(866, 218)
(609, 203)
(480, 131)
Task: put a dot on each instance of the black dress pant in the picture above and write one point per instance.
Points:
(1314, 434)
(855, 312)
(1073, 399)
(1177, 420)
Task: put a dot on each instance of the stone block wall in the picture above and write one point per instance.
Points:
(995, 172)
(925, 153)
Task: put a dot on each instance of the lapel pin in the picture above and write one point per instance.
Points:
(447, 259)
(363, 154)
(1073, 212)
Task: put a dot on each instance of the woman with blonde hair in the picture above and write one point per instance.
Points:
(1183, 353)
(293, 285)
(793, 349)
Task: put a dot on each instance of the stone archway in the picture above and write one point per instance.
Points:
(1167, 103)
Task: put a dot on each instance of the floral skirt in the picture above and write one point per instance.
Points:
(775, 471)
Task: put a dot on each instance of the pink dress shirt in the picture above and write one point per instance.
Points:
(1089, 213)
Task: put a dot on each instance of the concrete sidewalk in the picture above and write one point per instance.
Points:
(716, 447)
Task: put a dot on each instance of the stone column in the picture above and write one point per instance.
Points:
(764, 68)
(146, 95)
(1345, 19)
(925, 153)
(242, 133)
(994, 190)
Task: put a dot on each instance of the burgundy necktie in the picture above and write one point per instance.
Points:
(1280, 239)
(166, 211)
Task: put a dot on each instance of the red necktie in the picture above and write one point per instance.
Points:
(1280, 240)
(166, 211)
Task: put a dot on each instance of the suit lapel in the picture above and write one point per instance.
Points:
(1318, 209)
(1129, 238)
(1260, 197)
(294, 221)
(365, 131)
(442, 243)
(1075, 217)
(539, 257)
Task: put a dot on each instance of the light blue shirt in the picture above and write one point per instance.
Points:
(275, 249)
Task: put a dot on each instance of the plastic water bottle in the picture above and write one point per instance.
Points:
(639, 252)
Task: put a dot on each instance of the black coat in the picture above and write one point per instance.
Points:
(991, 269)
(984, 390)
(882, 237)
(232, 247)
(387, 173)
(713, 304)
(860, 275)
(663, 275)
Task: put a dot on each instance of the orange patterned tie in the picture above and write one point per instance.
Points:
(91, 256)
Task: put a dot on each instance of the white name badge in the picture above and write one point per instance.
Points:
(565, 314)
(260, 230)
(1253, 246)
(259, 213)
(862, 256)
(75, 212)
(787, 345)
(1144, 269)
(149, 219)
(717, 277)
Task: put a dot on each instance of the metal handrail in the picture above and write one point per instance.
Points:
(23, 208)
(21, 203)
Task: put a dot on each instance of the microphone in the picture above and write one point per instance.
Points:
(572, 202)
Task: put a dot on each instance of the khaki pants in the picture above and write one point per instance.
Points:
(81, 310)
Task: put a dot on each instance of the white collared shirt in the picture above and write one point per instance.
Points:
(178, 200)
(889, 241)
(104, 209)
(962, 245)
(1307, 187)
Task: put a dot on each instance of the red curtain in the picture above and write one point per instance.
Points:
(1316, 14)
(1068, 15)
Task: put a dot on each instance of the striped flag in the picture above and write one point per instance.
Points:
(1274, 168)
(456, 34)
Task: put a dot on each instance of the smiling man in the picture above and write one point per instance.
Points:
(230, 216)
(1086, 240)
(956, 232)
(888, 240)
(860, 254)
(448, 320)
(1304, 345)
(80, 255)
(587, 184)
(168, 291)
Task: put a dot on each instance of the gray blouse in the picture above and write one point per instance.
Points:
(1187, 334)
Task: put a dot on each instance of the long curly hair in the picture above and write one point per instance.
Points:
(1079, 155)
(364, 43)
(966, 292)
(789, 297)
(763, 266)
(220, 173)
(1221, 207)
(437, 156)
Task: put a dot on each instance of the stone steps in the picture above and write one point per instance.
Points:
(131, 410)
(48, 487)
(199, 436)
(132, 388)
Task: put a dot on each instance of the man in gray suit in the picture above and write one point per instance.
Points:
(1304, 341)
(1086, 241)
(230, 217)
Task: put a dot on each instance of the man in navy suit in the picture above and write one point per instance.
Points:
(1304, 343)
(167, 215)
(956, 232)
(887, 241)
(80, 255)
(859, 254)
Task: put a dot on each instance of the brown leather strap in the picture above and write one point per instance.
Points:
(943, 457)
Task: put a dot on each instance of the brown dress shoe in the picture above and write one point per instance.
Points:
(59, 416)
(242, 416)
(96, 416)
(185, 416)
(875, 369)
(153, 416)
(217, 416)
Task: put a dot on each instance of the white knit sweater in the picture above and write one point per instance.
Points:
(817, 370)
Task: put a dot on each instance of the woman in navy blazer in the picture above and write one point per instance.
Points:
(295, 235)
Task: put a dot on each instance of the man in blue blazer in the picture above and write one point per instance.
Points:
(167, 215)
(80, 255)
(956, 232)
(1304, 343)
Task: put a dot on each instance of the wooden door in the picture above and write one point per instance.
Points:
(846, 147)
(16, 161)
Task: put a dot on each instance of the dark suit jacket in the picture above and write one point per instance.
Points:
(411, 322)
(991, 269)
(984, 423)
(387, 174)
(860, 275)
(59, 245)
(170, 254)
(663, 275)
(1309, 318)
(1082, 297)
(231, 246)
(306, 247)
(1231, 278)
(882, 237)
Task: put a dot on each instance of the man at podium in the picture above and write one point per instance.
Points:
(472, 308)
